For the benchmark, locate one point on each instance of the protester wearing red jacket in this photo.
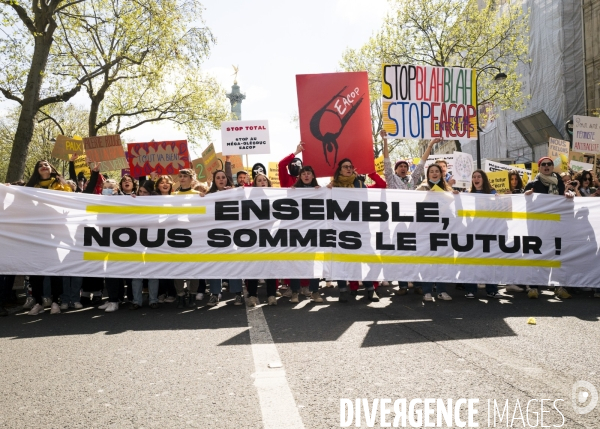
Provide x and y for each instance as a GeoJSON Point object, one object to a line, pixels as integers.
{"type": "Point", "coordinates": [289, 168]}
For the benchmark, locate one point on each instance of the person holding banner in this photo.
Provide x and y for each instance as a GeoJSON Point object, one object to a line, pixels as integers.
{"type": "Point", "coordinates": [435, 181]}
{"type": "Point", "coordinates": [480, 184]}
{"type": "Point", "coordinates": [128, 185]}
{"type": "Point", "coordinates": [399, 178]}
{"type": "Point", "coordinates": [582, 183]}
{"type": "Point", "coordinates": [45, 176]}
{"type": "Point", "coordinates": [163, 185]}
{"type": "Point", "coordinates": [220, 182]}
{"type": "Point", "coordinates": [346, 177]}
{"type": "Point", "coordinates": [290, 168]}
{"type": "Point", "coordinates": [306, 179]}
{"type": "Point", "coordinates": [515, 182]}
{"type": "Point", "coordinates": [187, 182]}
{"type": "Point", "coordinates": [547, 182]}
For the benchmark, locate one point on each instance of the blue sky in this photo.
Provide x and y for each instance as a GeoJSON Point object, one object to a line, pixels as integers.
{"type": "Point", "coordinates": [271, 42]}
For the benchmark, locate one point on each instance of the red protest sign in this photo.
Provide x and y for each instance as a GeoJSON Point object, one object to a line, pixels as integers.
{"type": "Point", "coordinates": [161, 157]}
{"type": "Point", "coordinates": [335, 121]}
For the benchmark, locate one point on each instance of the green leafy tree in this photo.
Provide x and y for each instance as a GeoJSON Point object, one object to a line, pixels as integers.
{"type": "Point", "coordinates": [60, 118]}
{"type": "Point", "coordinates": [151, 53]}
{"type": "Point", "coordinates": [449, 33]}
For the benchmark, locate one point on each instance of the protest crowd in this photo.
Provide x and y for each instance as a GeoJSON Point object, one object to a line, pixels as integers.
{"type": "Point", "coordinates": [63, 293]}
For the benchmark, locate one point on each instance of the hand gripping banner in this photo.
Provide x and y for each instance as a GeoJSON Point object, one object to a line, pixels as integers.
{"type": "Point", "coordinates": [340, 234]}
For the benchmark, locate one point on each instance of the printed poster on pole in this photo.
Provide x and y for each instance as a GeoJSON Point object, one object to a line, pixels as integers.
{"type": "Point", "coordinates": [245, 137]}
{"type": "Point", "coordinates": [335, 121]}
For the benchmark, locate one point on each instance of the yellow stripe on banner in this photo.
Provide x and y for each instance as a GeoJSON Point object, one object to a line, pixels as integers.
{"type": "Point", "coordinates": [198, 257]}
{"type": "Point", "coordinates": [320, 256]}
{"type": "Point", "coordinates": [146, 210]}
{"type": "Point", "coordinates": [509, 215]}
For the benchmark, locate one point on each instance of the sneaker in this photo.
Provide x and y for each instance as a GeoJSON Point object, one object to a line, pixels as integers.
{"type": "Point", "coordinates": [444, 296]}
{"type": "Point", "coordinates": [77, 305]}
{"type": "Point", "coordinates": [287, 293]}
{"type": "Point", "coordinates": [96, 299]}
{"type": "Point", "coordinates": [272, 300]}
{"type": "Point", "coordinates": [133, 306]}
{"type": "Point", "coordinates": [214, 300]}
{"type": "Point", "coordinates": [238, 300]}
{"type": "Point", "coordinates": [191, 301]}
{"type": "Point", "coordinates": [29, 303]}
{"type": "Point", "coordinates": [154, 305]}
{"type": "Point", "coordinates": [112, 307]}
{"type": "Point", "coordinates": [170, 299]}
{"type": "Point", "coordinates": [328, 284]}
{"type": "Point", "coordinates": [402, 291]}
{"type": "Point", "coordinates": [513, 288]}
{"type": "Point", "coordinates": [418, 290]}
{"type": "Point", "coordinates": [104, 306]}
{"type": "Point", "coordinates": [316, 297]}
{"type": "Point", "coordinates": [494, 295]}
{"type": "Point", "coordinates": [344, 296]}
{"type": "Point", "coordinates": [295, 298]}
{"type": "Point", "coordinates": [47, 302]}
{"type": "Point", "coordinates": [372, 296]}
{"type": "Point", "coordinates": [199, 296]}
{"type": "Point", "coordinates": [181, 301]}
{"type": "Point", "coordinates": [54, 308]}
{"type": "Point", "coordinates": [37, 309]}
{"type": "Point", "coordinates": [427, 297]}
{"type": "Point", "coordinates": [304, 291]}
{"type": "Point", "coordinates": [161, 298]}
{"type": "Point", "coordinates": [277, 294]}
{"type": "Point", "coordinates": [533, 293]}
{"type": "Point", "coordinates": [251, 301]}
{"type": "Point", "coordinates": [470, 295]}
{"type": "Point", "coordinates": [562, 293]}
{"type": "Point", "coordinates": [64, 306]}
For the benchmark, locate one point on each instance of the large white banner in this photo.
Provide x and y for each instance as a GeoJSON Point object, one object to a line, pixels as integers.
{"type": "Point", "coordinates": [345, 234]}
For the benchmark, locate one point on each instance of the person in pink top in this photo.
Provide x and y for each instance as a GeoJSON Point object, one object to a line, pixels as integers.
{"type": "Point", "coordinates": [289, 168]}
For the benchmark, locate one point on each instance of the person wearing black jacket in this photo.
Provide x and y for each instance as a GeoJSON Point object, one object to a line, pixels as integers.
{"type": "Point", "coordinates": [547, 182]}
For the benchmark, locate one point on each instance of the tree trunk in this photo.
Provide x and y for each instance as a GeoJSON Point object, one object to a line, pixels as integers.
{"type": "Point", "coordinates": [31, 98]}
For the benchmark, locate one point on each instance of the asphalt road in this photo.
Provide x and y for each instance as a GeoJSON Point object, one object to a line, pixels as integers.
{"type": "Point", "coordinates": [207, 368]}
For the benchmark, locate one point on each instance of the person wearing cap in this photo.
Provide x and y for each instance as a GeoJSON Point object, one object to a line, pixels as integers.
{"type": "Point", "coordinates": [289, 168]}
{"type": "Point", "coordinates": [187, 179]}
{"type": "Point", "coordinates": [399, 178]}
{"type": "Point", "coordinates": [547, 182]}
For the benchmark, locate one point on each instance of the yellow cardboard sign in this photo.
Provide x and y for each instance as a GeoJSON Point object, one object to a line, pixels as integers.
{"type": "Point", "coordinates": [534, 169]}
{"type": "Point", "coordinates": [499, 181]}
{"type": "Point", "coordinates": [274, 174]}
{"type": "Point", "coordinates": [211, 162]}
{"type": "Point", "coordinates": [379, 165]}
{"type": "Point", "coordinates": [436, 188]}
{"type": "Point", "coordinates": [82, 166]}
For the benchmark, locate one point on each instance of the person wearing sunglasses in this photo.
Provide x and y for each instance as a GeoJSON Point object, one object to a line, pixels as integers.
{"type": "Point", "coordinates": [547, 182]}
{"type": "Point", "coordinates": [583, 182]}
